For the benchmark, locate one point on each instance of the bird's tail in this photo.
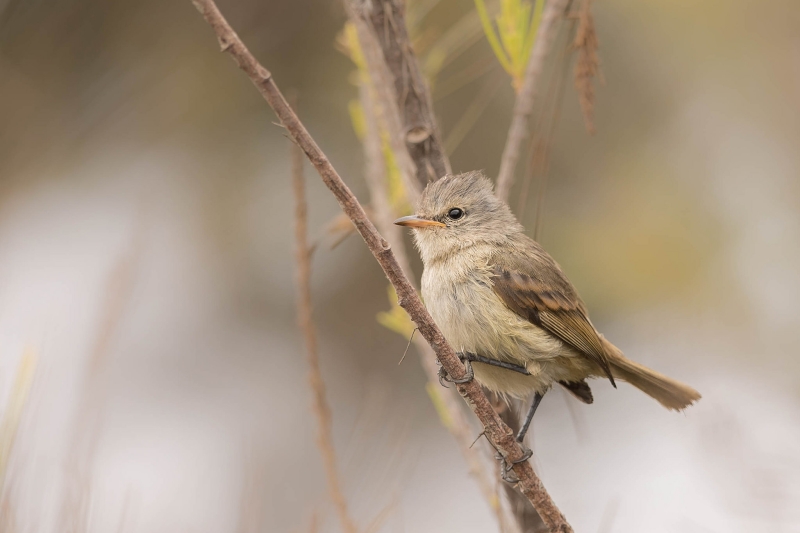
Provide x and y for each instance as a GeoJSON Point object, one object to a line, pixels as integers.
{"type": "Point", "coordinates": [670, 393]}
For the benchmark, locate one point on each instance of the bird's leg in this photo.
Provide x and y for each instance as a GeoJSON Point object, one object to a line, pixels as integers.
{"type": "Point", "coordinates": [475, 358]}
{"type": "Point", "coordinates": [505, 468]}
{"type": "Point", "coordinates": [537, 398]}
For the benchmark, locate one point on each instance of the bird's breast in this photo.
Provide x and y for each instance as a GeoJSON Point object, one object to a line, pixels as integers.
{"type": "Point", "coordinates": [462, 301]}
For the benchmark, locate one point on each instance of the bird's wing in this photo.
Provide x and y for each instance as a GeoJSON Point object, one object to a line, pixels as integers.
{"type": "Point", "coordinates": [532, 285]}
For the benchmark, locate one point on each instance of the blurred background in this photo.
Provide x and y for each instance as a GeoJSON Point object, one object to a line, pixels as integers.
{"type": "Point", "coordinates": [147, 315]}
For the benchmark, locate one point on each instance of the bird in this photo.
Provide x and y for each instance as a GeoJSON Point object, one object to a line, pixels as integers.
{"type": "Point", "coordinates": [506, 306]}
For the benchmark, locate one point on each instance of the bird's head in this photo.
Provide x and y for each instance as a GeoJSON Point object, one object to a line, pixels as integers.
{"type": "Point", "coordinates": [457, 212]}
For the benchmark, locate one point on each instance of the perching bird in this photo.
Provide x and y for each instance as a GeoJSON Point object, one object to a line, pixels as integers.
{"type": "Point", "coordinates": [505, 305]}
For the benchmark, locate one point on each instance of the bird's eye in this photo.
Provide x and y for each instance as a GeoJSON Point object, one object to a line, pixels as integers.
{"type": "Point", "coordinates": [455, 213]}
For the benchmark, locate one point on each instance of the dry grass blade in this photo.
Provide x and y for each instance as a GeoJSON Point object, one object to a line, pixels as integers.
{"type": "Point", "coordinates": [76, 501]}
{"type": "Point", "coordinates": [541, 143]}
{"type": "Point", "coordinates": [322, 411]}
{"type": "Point", "coordinates": [523, 105]}
{"type": "Point", "coordinates": [587, 65]}
{"type": "Point", "coordinates": [463, 78]}
{"type": "Point", "coordinates": [13, 412]}
{"type": "Point", "coordinates": [498, 433]}
{"type": "Point", "coordinates": [471, 115]}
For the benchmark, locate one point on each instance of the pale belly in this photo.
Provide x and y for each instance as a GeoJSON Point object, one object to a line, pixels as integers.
{"type": "Point", "coordinates": [474, 319]}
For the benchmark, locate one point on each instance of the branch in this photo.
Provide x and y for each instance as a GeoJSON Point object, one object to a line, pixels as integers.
{"type": "Point", "coordinates": [498, 434]}
{"type": "Point", "coordinates": [375, 174]}
{"type": "Point", "coordinates": [386, 110]}
{"type": "Point", "coordinates": [322, 410]}
{"type": "Point", "coordinates": [386, 22]}
{"type": "Point", "coordinates": [523, 105]}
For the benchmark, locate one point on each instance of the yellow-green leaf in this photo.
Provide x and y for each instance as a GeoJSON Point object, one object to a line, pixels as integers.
{"type": "Point", "coordinates": [396, 318]}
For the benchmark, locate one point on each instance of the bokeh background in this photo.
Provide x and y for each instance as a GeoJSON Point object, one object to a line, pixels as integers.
{"type": "Point", "coordinates": [146, 264]}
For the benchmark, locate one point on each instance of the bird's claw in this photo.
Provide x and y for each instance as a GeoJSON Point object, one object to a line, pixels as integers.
{"type": "Point", "coordinates": [468, 376]}
{"type": "Point", "coordinates": [506, 471]}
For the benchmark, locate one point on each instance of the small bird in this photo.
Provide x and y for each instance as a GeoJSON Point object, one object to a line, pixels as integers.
{"type": "Point", "coordinates": [507, 308]}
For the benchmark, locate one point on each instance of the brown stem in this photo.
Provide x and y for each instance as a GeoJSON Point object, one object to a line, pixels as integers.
{"type": "Point", "coordinates": [523, 105]}
{"type": "Point", "coordinates": [499, 434]}
{"type": "Point", "coordinates": [322, 411]}
{"type": "Point", "coordinates": [386, 21]}
{"type": "Point", "coordinates": [386, 110]}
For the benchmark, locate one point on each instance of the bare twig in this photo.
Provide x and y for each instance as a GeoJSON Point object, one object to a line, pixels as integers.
{"type": "Point", "coordinates": [375, 174]}
{"type": "Point", "coordinates": [523, 105]}
{"type": "Point", "coordinates": [322, 410]}
{"type": "Point", "coordinates": [386, 21]}
{"type": "Point", "coordinates": [386, 110]}
{"type": "Point", "coordinates": [499, 434]}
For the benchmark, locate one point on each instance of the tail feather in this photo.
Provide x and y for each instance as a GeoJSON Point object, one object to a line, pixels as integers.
{"type": "Point", "coordinates": [668, 392]}
{"type": "Point", "coordinates": [580, 389]}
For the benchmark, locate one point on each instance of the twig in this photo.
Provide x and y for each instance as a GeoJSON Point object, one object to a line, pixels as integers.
{"type": "Point", "coordinates": [499, 434]}
{"type": "Point", "coordinates": [523, 105]}
{"type": "Point", "coordinates": [322, 410]}
{"type": "Point", "coordinates": [386, 21]}
{"type": "Point", "coordinates": [386, 110]}
{"type": "Point", "coordinates": [375, 174]}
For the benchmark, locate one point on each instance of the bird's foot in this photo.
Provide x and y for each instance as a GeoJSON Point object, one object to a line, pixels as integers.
{"type": "Point", "coordinates": [506, 471]}
{"type": "Point", "coordinates": [468, 376]}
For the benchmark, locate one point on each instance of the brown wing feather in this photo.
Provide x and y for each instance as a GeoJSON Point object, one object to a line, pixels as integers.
{"type": "Point", "coordinates": [546, 298]}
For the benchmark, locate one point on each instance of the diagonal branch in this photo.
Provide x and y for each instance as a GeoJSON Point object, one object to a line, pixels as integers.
{"type": "Point", "coordinates": [322, 410]}
{"type": "Point", "coordinates": [386, 22]}
{"type": "Point", "coordinates": [523, 105]}
{"type": "Point", "coordinates": [498, 434]}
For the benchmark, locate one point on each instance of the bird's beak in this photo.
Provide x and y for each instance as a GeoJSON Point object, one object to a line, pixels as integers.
{"type": "Point", "coordinates": [414, 221]}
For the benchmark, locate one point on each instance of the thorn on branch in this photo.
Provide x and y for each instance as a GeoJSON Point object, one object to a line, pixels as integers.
{"type": "Point", "coordinates": [263, 73]}
{"type": "Point", "coordinates": [224, 44]}
{"type": "Point", "coordinates": [418, 134]}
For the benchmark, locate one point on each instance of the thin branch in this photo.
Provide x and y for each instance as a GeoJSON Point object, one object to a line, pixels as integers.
{"type": "Point", "coordinates": [305, 320]}
{"type": "Point", "coordinates": [523, 105]}
{"type": "Point", "coordinates": [386, 22]}
{"type": "Point", "coordinates": [387, 113]}
{"type": "Point", "coordinates": [499, 434]}
{"type": "Point", "coordinates": [375, 174]}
